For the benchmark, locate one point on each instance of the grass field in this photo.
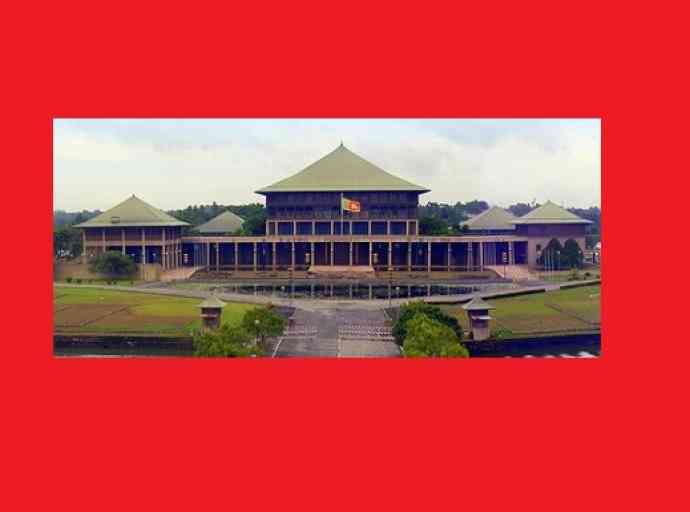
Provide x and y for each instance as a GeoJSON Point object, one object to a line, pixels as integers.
{"type": "Point", "coordinates": [562, 311]}
{"type": "Point", "coordinates": [88, 310]}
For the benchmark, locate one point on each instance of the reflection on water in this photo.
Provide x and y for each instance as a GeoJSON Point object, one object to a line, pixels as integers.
{"type": "Point", "coordinates": [363, 291]}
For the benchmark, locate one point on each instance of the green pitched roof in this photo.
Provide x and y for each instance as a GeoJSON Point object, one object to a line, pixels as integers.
{"type": "Point", "coordinates": [550, 213]}
{"type": "Point", "coordinates": [477, 304]}
{"type": "Point", "coordinates": [133, 212]}
{"type": "Point", "coordinates": [493, 218]}
{"type": "Point", "coordinates": [226, 222]}
{"type": "Point", "coordinates": [212, 302]}
{"type": "Point", "coordinates": [342, 171]}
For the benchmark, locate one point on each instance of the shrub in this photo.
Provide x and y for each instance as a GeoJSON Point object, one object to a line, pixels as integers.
{"type": "Point", "coordinates": [572, 255]}
{"type": "Point", "coordinates": [430, 338]}
{"type": "Point", "coordinates": [78, 280]}
{"type": "Point", "coordinates": [113, 264]}
{"type": "Point", "coordinates": [228, 341]}
{"type": "Point", "coordinates": [263, 322]}
{"type": "Point", "coordinates": [408, 311]}
{"type": "Point", "coordinates": [500, 333]}
{"type": "Point", "coordinates": [69, 279]}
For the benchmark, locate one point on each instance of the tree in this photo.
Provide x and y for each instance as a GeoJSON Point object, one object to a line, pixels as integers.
{"type": "Point", "coordinates": [551, 254]}
{"type": "Point", "coordinates": [432, 225]}
{"type": "Point", "coordinates": [255, 224]}
{"type": "Point", "coordinates": [67, 241]}
{"type": "Point", "coordinates": [113, 264]}
{"type": "Point", "coordinates": [410, 310]}
{"type": "Point", "coordinates": [520, 209]}
{"type": "Point", "coordinates": [476, 207]}
{"type": "Point", "coordinates": [263, 323]}
{"type": "Point", "coordinates": [572, 254]}
{"type": "Point", "coordinates": [227, 341]}
{"type": "Point", "coordinates": [430, 338]}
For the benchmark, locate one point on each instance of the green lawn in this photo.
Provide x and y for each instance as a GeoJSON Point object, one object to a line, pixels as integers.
{"type": "Point", "coordinates": [110, 311]}
{"type": "Point", "coordinates": [562, 311]}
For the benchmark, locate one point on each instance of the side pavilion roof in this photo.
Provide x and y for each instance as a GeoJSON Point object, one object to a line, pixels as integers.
{"type": "Point", "coordinates": [342, 170]}
{"type": "Point", "coordinates": [226, 222]}
{"type": "Point", "coordinates": [550, 213]}
{"type": "Point", "coordinates": [493, 218]}
{"type": "Point", "coordinates": [132, 212]}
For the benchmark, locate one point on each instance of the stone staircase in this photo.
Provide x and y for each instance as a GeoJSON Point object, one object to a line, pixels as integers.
{"type": "Point", "coordinates": [514, 272]}
{"type": "Point", "coordinates": [180, 273]}
{"type": "Point", "coordinates": [341, 272]}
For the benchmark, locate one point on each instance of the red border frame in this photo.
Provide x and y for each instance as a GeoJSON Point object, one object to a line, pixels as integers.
{"type": "Point", "coordinates": [489, 434]}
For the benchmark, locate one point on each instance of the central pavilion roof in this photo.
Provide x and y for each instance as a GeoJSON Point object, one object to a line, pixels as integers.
{"type": "Point", "coordinates": [226, 222]}
{"type": "Point", "coordinates": [342, 170]}
{"type": "Point", "coordinates": [550, 213]}
{"type": "Point", "coordinates": [133, 212]}
{"type": "Point", "coordinates": [494, 218]}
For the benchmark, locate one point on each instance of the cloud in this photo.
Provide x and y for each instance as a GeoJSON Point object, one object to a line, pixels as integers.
{"type": "Point", "coordinates": [173, 163]}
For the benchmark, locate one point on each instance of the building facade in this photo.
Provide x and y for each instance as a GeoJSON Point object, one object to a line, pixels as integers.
{"type": "Point", "coordinates": [307, 227]}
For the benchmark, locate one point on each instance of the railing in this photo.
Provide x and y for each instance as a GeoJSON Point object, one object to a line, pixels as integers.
{"type": "Point", "coordinates": [373, 216]}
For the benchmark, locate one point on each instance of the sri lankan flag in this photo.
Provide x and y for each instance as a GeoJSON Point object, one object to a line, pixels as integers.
{"type": "Point", "coordinates": [349, 205]}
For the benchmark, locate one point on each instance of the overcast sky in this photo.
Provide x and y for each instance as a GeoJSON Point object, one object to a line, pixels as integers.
{"type": "Point", "coordinates": [172, 163]}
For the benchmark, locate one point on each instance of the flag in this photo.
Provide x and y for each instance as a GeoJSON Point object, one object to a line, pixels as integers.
{"type": "Point", "coordinates": [350, 205]}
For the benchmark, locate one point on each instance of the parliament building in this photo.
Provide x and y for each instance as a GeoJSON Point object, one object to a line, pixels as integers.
{"type": "Point", "coordinates": [340, 211]}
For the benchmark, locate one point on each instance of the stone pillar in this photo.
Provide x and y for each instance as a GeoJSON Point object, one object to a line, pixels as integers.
{"type": "Point", "coordinates": [388, 227]}
{"type": "Point", "coordinates": [83, 245]}
{"type": "Point", "coordinates": [428, 257]}
{"type": "Point", "coordinates": [469, 256]}
{"type": "Point", "coordinates": [313, 227]}
{"type": "Point", "coordinates": [332, 252]}
{"type": "Point", "coordinates": [124, 252]}
{"type": "Point", "coordinates": [294, 227]}
{"type": "Point", "coordinates": [369, 232]}
{"type": "Point", "coordinates": [450, 255]}
{"type": "Point", "coordinates": [311, 252]}
{"type": "Point", "coordinates": [481, 256]}
{"type": "Point", "coordinates": [164, 251]}
{"type": "Point", "coordinates": [103, 238]}
{"type": "Point", "coordinates": [332, 228]}
{"type": "Point", "coordinates": [511, 253]}
{"type": "Point", "coordinates": [237, 256]}
{"type": "Point", "coordinates": [208, 255]}
{"type": "Point", "coordinates": [254, 254]}
{"type": "Point", "coordinates": [273, 256]}
{"type": "Point", "coordinates": [350, 261]}
{"type": "Point", "coordinates": [371, 255]}
{"type": "Point", "coordinates": [390, 252]}
{"type": "Point", "coordinates": [292, 255]}
{"type": "Point", "coordinates": [217, 257]}
{"type": "Point", "coordinates": [409, 256]}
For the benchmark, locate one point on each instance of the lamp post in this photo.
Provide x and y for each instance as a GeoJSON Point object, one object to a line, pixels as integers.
{"type": "Point", "coordinates": [257, 323]}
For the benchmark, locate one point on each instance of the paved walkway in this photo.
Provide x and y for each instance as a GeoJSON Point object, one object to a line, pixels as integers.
{"type": "Point", "coordinates": [336, 332]}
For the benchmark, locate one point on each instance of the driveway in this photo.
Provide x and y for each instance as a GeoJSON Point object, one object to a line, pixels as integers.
{"type": "Point", "coordinates": [336, 331]}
